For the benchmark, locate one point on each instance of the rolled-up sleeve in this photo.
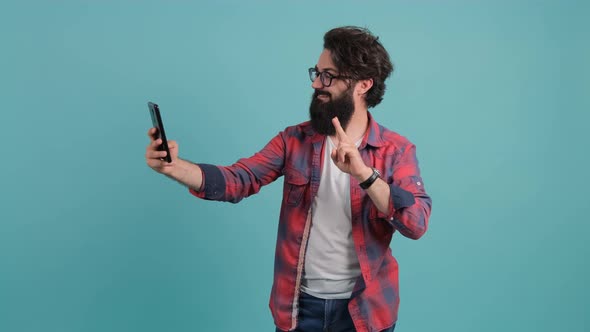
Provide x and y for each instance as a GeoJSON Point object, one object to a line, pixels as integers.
{"type": "Point", "coordinates": [245, 177]}
{"type": "Point", "coordinates": [410, 205]}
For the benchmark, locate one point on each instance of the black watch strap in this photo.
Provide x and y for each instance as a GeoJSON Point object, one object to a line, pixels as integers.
{"type": "Point", "coordinates": [368, 182]}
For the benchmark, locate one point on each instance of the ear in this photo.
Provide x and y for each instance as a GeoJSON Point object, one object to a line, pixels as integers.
{"type": "Point", "coordinates": [363, 86]}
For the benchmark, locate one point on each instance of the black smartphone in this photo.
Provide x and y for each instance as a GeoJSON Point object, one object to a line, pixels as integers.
{"type": "Point", "coordinates": [160, 133]}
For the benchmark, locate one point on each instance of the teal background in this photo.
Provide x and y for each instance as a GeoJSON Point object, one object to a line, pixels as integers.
{"type": "Point", "coordinates": [494, 94]}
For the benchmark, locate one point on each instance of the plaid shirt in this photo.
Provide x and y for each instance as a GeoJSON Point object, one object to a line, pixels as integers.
{"type": "Point", "coordinates": [297, 153]}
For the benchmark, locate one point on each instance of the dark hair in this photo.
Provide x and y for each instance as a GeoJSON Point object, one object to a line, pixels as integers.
{"type": "Point", "coordinates": [357, 53]}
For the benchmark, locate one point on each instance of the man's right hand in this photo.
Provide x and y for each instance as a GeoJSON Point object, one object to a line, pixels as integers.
{"type": "Point", "coordinates": [183, 171]}
{"type": "Point", "coordinates": [154, 157]}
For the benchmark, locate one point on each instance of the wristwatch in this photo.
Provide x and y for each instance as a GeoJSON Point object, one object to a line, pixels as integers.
{"type": "Point", "coordinates": [368, 182]}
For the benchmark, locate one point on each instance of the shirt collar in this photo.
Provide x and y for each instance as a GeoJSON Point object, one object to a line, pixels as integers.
{"type": "Point", "coordinates": [373, 136]}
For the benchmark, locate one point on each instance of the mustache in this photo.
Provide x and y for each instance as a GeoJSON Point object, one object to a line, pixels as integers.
{"type": "Point", "coordinates": [321, 93]}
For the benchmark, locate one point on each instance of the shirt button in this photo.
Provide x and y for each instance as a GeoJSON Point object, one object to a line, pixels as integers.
{"type": "Point", "coordinates": [419, 183]}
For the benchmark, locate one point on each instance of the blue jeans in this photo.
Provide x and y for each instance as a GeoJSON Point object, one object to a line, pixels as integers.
{"type": "Point", "coordinates": [319, 315]}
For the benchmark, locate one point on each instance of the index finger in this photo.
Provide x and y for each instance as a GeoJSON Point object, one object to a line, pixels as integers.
{"type": "Point", "coordinates": [341, 134]}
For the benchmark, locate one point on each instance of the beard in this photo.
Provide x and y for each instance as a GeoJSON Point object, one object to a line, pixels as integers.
{"type": "Point", "coordinates": [321, 113]}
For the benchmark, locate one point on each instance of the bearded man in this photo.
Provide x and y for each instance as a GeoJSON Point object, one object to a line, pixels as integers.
{"type": "Point", "coordinates": [349, 185]}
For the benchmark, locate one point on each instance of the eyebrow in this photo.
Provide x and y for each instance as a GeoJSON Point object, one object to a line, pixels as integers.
{"type": "Point", "coordinates": [326, 69]}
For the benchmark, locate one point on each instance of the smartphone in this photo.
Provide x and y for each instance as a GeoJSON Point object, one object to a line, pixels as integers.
{"type": "Point", "coordinates": [160, 133]}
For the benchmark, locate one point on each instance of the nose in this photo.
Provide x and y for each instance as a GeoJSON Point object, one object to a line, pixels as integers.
{"type": "Point", "coordinates": [317, 83]}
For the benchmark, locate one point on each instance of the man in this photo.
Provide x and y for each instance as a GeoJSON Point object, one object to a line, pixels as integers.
{"type": "Point", "coordinates": [349, 185]}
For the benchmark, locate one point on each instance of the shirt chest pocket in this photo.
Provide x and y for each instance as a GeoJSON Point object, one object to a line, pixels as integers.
{"type": "Point", "coordinates": [295, 185]}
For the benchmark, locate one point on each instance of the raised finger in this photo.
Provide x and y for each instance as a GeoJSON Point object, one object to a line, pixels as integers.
{"type": "Point", "coordinates": [339, 131]}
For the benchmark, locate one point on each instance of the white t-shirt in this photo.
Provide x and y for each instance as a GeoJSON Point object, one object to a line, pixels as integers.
{"type": "Point", "coordinates": [331, 263]}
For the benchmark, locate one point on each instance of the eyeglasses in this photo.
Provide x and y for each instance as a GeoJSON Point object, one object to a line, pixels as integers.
{"type": "Point", "coordinates": [325, 77]}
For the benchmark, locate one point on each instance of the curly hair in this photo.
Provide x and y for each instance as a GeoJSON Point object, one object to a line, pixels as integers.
{"type": "Point", "coordinates": [357, 53]}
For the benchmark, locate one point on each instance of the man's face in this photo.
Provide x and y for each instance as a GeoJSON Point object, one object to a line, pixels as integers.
{"type": "Point", "coordinates": [330, 101]}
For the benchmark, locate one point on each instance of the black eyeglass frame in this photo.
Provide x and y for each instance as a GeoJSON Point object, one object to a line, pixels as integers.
{"type": "Point", "coordinates": [324, 75]}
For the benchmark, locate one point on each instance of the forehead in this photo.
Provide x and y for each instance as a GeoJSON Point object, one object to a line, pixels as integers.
{"type": "Point", "coordinates": [325, 61]}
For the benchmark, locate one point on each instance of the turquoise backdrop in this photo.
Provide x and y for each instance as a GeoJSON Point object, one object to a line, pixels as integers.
{"type": "Point", "coordinates": [495, 94]}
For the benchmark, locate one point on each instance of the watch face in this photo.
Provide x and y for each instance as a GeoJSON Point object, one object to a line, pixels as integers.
{"type": "Point", "coordinates": [377, 171]}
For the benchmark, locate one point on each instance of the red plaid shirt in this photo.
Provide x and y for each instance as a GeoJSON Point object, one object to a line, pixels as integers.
{"type": "Point", "coordinates": [297, 153]}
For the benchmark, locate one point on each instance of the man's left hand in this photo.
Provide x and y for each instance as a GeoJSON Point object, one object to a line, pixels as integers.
{"type": "Point", "coordinates": [347, 157]}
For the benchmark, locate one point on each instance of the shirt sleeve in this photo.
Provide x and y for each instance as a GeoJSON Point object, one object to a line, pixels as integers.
{"type": "Point", "coordinates": [409, 204]}
{"type": "Point", "coordinates": [245, 177]}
